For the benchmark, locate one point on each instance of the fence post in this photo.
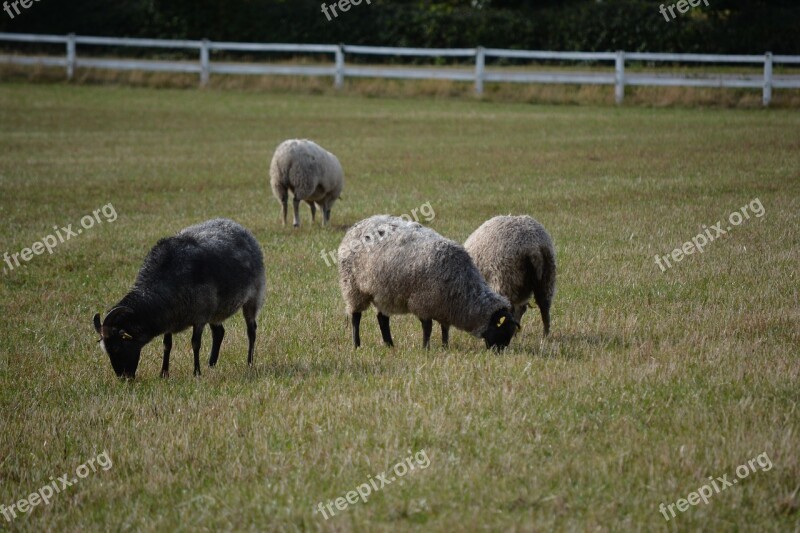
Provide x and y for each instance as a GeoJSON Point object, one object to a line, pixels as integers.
{"type": "Point", "coordinates": [480, 67]}
{"type": "Point", "coordinates": [619, 77]}
{"type": "Point", "coordinates": [767, 96]}
{"type": "Point", "coordinates": [70, 56]}
{"type": "Point", "coordinates": [338, 80]}
{"type": "Point", "coordinates": [205, 60]}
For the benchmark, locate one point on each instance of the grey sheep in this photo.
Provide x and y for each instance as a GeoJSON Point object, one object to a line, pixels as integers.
{"type": "Point", "coordinates": [516, 256]}
{"type": "Point", "coordinates": [311, 173]}
{"type": "Point", "coordinates": [202, 275]}
{"type": "Point", "coordinates": [402, 267]}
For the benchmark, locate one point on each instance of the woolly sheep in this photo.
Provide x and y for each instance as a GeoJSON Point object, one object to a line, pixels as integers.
{"type": "Point", "coordinates": [402, 267]}
{"type": "Point", "coordinates": [516, 256]}
{"type": "Point", "coordinates": [311, 173]}
{"type": "Point", "coordinates": [202, 275]}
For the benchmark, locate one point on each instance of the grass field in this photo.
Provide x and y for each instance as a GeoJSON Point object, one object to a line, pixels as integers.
{"type": "Point", "coordinates": [650, 383]}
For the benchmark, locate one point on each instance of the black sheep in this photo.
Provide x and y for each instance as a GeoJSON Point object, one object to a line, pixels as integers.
{"type": "Point", "coordinates": [202, 275]}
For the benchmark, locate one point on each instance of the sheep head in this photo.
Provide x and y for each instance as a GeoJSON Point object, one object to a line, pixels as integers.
{"type": "Point", "coordinates": [502, 327]}
{"type": "Point", "coordinates": [121, 340]}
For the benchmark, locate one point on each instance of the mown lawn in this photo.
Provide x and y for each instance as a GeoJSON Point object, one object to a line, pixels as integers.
{"type": "Point", "coordinates": [651, 382]}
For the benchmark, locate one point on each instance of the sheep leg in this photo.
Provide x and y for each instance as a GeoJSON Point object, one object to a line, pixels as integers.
{"type": "Point", "coordinates": [284, 208]}
{"type": "Point", "coordinates": [544, 308]}
{"type": "Point", "coordinates": [326, 216]}
{"type": "Point", "coordinates": [251, 340]}
{"type": "Point", "coordinates": [386, 332]}
{"type": "Point", "coordinates": [445, 335]}
{"type": "Point", "coordinates": [296, 207]}
{"type": "Point", "coordinates": [313, 212]}
{"type": "Point", "coordinates": [519, 310]}
{"type": "Point", "coordinates": [355, 319]}
{"type": "Point", "coordinates": [546, 319]}
{"type": "Point", "coordinates": [427, 327]}
{"type": "Point", "coordinates": [197, 337]}
{"type": "Point", "coordinates": [167, 350]}
{"type": "Point", "coordinates": [217, 334]}
{"type": "Point", "coordinates": [250, 312]}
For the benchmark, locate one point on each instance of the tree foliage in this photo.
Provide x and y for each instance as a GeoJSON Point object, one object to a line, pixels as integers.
{"type": "Point", "coordinates": [725, 26]}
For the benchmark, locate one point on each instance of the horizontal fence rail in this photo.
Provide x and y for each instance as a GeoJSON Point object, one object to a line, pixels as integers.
{"type": "Point", "coordinates": [479, 74]}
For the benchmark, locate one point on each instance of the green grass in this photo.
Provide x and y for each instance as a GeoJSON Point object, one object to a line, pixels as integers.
{"type": "Point", "coordinates": [650, 383]}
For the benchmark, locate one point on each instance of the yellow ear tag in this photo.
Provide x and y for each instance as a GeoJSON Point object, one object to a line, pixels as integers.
{"type": "Point", "coordinates": [125, 336]}
{"type": "Point", "coordinates": [502, 320]}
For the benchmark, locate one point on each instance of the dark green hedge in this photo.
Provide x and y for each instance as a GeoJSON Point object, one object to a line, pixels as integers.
{"type": "Point", "coordinates": [726, 26]}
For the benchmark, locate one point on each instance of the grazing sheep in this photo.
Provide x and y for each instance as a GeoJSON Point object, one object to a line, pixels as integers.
{"type": "Point", "coordinates": [202, 275]}
{"type": "Point", "coordinates": [518, 260]}
{"type": "Point", "coordinates": [402, 267]}
{"type": "Point", "coordinates": [313, 174]}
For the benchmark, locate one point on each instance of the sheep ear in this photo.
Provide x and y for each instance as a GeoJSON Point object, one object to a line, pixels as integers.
{"type": "Point", "coordinates": [97, 325]}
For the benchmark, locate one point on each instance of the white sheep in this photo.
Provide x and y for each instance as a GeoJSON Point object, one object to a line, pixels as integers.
{"type": "Point", "coordinates": [516, 256]}
{"type": "Point", "coordinates": [402, 267]}
{"type": "Point", "coordinates": [311, 173]}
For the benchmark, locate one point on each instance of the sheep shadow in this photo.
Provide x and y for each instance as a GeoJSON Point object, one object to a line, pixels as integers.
{"type": "Point", "coordinates": [339, 228]}
{"type": "Point", "coordinates": [292, 370]}
{"type": "Point", "coordinates": [571, 346]}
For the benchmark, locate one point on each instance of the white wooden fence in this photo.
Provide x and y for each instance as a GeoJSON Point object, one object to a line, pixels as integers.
{"type": "Point", "coordinates": [479, 75]}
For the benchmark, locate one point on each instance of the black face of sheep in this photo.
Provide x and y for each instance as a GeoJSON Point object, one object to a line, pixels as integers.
{"type": "Point", "coordinates": [502, 327]}
{"type": "Point", "coordinates": [120, 342]}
